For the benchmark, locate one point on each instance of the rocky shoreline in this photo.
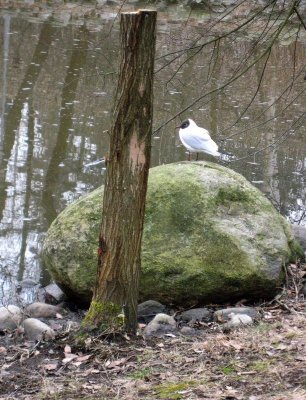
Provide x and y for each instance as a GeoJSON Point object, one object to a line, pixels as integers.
{"type": "Point", "coordinates": [42, 322]}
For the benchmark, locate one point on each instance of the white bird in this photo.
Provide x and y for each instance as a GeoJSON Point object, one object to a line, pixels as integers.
{"type": "Point", "coordinates": [196, 139]}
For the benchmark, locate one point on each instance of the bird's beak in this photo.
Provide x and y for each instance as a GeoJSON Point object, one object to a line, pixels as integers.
{"type": "Point", "coordinates": [177, 127]}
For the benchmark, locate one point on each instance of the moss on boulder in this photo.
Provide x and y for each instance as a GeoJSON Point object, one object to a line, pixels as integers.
{"type": "Point", "coordinates": [209, 236]}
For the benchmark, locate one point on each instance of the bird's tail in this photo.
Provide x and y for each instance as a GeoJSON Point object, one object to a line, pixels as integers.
{"type": "Point", "coordinates": [226, 156]}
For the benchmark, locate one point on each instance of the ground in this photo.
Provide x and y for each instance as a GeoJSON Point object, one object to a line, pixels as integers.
{"type": "Point", "coordinates": [263, 362]}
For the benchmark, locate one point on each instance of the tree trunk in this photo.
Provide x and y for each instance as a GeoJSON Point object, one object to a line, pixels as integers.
{"type": "Point", "coordinates": [116, 290]}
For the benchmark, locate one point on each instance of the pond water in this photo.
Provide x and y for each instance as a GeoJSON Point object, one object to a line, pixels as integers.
{"type": "Point", "coordinates": [57, 85]}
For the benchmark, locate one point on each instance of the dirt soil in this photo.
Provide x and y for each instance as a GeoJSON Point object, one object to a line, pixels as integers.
{"type": "Point", "coordinates": [262, 362]}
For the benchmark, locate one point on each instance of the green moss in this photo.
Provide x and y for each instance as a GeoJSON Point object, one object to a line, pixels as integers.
{"type": "Point", "coordinates": [142, 373]}
{"type": "Point", "coordinates": [216, 264]}
{"type": "Point", "coordinates": [208, 235]}
{"type": "Point", "coordinates": [105, 316]}
{"type": "Point", "coordinates": [296, 251]}
{"type": "Point", "coordinates": [228, 369]}
{"type": "Point", "coordinates": [295, 247]}
{"type": "Point", "coordinates": [172, 390]}
{"type": "Point", "coordinates": [264, 327]}
{"type": "Point", "coordinates": [261, 366]}
{"type": "Point", "coordinates": [231, 194]}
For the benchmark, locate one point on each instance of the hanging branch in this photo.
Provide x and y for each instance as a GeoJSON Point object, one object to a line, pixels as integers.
{"type": "Point", "coordinates": [201, 46]}
{"type": "Point", "coordinates": [236, 77]}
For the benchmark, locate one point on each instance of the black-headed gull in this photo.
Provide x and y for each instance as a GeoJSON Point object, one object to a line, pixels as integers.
{"type": "Point", "coordinates": [196, 139]}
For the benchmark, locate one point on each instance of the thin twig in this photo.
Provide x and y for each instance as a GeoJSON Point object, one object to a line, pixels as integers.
{"type": "Point", "coordinates": [236, 77]}
{"type": "Point", "coordinates": [300, 17]}
{"type": "Point", "coordinates": [201, 46]}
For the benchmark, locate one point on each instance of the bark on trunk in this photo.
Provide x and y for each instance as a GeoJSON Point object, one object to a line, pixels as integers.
{"type": "Point", "coordinates": [116, 288]}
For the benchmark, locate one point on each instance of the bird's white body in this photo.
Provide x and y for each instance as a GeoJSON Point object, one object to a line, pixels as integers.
{"type": "Point", "coordinates": [196, 139]}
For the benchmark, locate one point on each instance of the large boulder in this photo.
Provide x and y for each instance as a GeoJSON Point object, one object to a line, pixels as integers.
{"type": "Point", "coordinates": [209, 236]}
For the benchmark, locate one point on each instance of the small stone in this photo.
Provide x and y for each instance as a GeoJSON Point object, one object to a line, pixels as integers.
{"type": "Point", "coordinates": [42, 310]}
{"type": "Point", "coordinates": [196, 314]}
{"type": "Point", "coordinates": [223, 315]}
{"type": "Point", "coordinates": [160, 325]}
{"type": "Point", "coordinates": [237, 320]}
{"type": "Point", "coordinates": [35, 329]}
{"type": "Point", "coordinates": [148, 309]}
{"type": "Point", "coordinates": [187, 331]}
{"type": "Point", "coordinates": [10, 317]}
{"type": "Point", "coordinates": [54, 294]}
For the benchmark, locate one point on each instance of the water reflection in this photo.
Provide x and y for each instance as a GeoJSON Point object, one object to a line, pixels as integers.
{"type": "Point", "coordinates": [56, 101]}
{"type": "Point", "coordinates": [65, 126]}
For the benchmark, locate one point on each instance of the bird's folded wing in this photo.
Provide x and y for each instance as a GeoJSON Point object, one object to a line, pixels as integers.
{"type": "Point", "coordinates": [197, 141]}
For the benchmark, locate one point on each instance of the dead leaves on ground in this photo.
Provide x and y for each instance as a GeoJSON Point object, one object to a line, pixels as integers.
{"type": "Point", "coordinates": [263, 362]}
{"type": "Point", "coordinates": [266, 358]}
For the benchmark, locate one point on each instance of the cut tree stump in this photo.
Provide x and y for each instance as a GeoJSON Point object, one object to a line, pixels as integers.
{"type": "Point", "coordinates": [116, 290]}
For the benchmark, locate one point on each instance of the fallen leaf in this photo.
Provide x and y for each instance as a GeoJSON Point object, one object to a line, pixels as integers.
{"type": "Point", "coordinates": [6, 366]}
{"type": "Point", "coordinates": [50, 367]}
{"type": "Point", "coordinates": [236, 345]}
{"type": "Point", "coordinates": [68, 358]}
{"type": "Point", "coordinates": [91, 371]}
{"type": "Point", "coordinates": [300, 358]}
{"type": "Point", "coordinates": [3, 350]}
{"type": "Point", "coordinates": [92, 387]}
{"type": "Point", "coordinates": [189, 359]}
{"type": "Point", "coordinates": [83, 358]}
{"type": "Point", "coordinates": [77, 363]}
{"type": "Point", "coordinates": [67, 349]}
{"type": "Point", "coordinates": [112, 364]}
{"type": "Point", "coordinates": [126, 337]}
{"type": "Point", "coordinates": [281, 346]}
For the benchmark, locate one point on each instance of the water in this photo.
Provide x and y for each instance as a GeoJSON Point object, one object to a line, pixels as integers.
{"type": "Point", "coordinates": [57, 85]}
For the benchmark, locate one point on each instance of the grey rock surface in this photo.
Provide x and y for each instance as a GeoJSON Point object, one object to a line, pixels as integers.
{"type": "Point", "coordinates": [209, 237]}
{"type": "Point", "coordinates": [35, 329]}
{"type": "Point", "coordinates": [196, 314]}
{"type": "Point", "coordinates": [53, 294]}
{"type": "Point", "coordinates": [42, 310]}
{"type": "Point", "coordinates": [10, 317]}
{"type": "Point", "coordinates": [160, 325]}
{"type": "Point", "coordinates": [237, 320]}
{"type": "Point", "coordinates": [224, 314]}
{"type": "Point", "coordinates": [187, 331]}
{"type": "Point", "coordinates": [148, 309]}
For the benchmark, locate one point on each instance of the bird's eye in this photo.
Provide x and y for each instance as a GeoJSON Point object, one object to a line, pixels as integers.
{"type": "Point", "coordinates": [185, 124]}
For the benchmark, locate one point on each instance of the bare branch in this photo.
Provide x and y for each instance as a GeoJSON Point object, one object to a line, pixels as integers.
{"type": "Point", "coordinates": [279, 140]}
{"type": "Point", "coordinates": [242, 72]}
{"type": "Point", "coordinates": [302, 71]}
{"type": "Point", "coordinates": [195, 47]}
{"type": "Point", "coordinates": [299, 16]}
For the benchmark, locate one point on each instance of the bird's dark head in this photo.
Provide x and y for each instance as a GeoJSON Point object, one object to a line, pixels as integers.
{"type": "Point", "coordinates": [185, 124]}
